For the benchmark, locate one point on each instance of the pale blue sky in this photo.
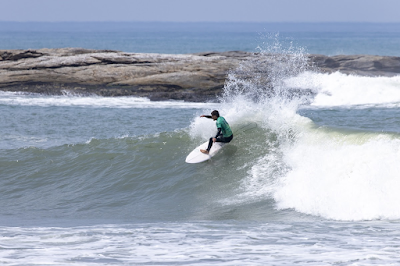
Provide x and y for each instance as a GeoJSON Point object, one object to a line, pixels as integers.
{"type": "Point", "coordinates": [202, 10]}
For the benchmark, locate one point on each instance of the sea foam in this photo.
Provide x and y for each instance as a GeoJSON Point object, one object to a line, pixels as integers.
{"type": "Point", "coordinates": [341, 177]}
{"type": "Point", "coordinates": [339, 89]}
{"type": "Point", "coordinates": [69, 99]}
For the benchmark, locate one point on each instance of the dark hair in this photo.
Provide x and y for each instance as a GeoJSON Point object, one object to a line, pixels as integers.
{"type": "Point", "coordinates": [215, 112]}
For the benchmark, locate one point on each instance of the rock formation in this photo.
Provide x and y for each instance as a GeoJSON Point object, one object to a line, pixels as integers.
{"type": "Point", "coordinates": [190, 77]}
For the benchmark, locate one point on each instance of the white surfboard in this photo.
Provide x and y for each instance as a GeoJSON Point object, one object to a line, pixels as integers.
{"type": "Point", "coordinates": [196, 156]}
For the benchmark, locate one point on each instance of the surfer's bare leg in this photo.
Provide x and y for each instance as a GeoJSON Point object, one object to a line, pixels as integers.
{"type": "Point", "coordinates": [210, 143]}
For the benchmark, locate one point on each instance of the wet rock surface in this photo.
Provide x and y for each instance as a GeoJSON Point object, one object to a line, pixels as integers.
{"type": "Point", "coordinates": [189, 77]}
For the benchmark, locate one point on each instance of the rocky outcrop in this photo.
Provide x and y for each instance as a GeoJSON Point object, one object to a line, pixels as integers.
{"type": "Point", "coordinates": [191, 77]}
{"type": "Point", "coordinates": [110, 73]}
{"type": "Point", "coordinates": [363, 65]}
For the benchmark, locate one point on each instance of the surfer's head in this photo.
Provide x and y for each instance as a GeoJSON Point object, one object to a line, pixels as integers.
{"type": "Point", "coordinates": [215, 114]}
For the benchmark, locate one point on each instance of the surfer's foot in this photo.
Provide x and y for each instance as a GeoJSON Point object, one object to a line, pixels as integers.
{"type": "Point", "coordinates": [204, 151]}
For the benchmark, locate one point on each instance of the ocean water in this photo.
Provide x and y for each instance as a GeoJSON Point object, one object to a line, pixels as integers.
{"type": "Point", "coordinates": [182, 38]}
{"type": "Point", "coordinates": [88, 180]}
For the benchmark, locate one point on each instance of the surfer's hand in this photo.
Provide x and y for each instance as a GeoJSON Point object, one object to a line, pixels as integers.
{"type": "Point", "coordinates": [202, 116]}
{"type": "Point", "coordinates": [214, 139]}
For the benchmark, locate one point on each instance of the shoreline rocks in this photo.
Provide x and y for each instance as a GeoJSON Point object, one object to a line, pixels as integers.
{"type": "Point", "coordinates": [189, 77]}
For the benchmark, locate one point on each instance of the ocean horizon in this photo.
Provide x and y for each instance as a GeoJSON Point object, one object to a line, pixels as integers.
{"type": "Point", "coordinates": [194, 37]}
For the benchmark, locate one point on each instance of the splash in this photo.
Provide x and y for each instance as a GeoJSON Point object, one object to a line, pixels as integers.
{"type": "Point", "coordinates": [262, 78]}
{"type": "Point", "coordinates": [256, 91]}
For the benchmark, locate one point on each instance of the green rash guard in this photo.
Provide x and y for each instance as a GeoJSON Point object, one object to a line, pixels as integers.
{"type": "Point", "coordinates": [224, 126]}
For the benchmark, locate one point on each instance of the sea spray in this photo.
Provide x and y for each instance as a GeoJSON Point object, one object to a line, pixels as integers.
{"type": "Point", "coordinates": [256, 92]}
{"type": "Point", "coordinates": [262, 77]}
{"type": "Point", "coordinates": [257, 88]}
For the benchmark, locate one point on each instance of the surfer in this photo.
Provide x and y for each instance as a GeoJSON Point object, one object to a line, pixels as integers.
{"type": "Point", "coordinates": [224, 133]}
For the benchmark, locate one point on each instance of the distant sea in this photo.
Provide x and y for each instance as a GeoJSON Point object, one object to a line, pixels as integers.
{"type": "Point", "coordinates": [177, 38]}
{"type": "Point", "coordinates": [309, 179]}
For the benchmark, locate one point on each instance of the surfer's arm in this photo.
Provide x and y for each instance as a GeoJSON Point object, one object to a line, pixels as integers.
{"type": "Point", "coordinates": [206, 116]}
{"type": "Point", "coordinates": [218, 133]}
